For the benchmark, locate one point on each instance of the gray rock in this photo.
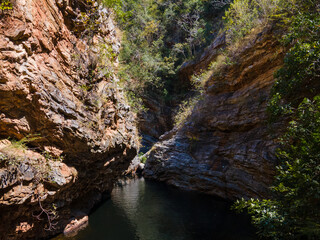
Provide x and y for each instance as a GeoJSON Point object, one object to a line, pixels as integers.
{"type": "Point", "coordinates": [225, 147]}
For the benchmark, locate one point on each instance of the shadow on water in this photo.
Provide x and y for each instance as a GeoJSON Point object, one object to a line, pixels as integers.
{"type": "Point", "coordinates": [144, 210]}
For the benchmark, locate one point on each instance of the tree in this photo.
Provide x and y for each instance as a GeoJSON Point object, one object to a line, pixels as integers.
{"type": "Point", "coordinates": [294, 213]}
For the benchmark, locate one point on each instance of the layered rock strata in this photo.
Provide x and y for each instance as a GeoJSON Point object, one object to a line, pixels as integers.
{"type": "Point", "coordinates": [226, 147]}
{"type": "Point", "coordinates": [71, 132]}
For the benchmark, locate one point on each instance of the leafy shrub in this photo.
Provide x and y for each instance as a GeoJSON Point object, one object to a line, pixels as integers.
{"type": "Point", "coordinates": [240, 18]}
{"type": "Point", "coordinates": [106, 60]}
{"type": "Point", "coordinates": [88, 22]}
{"type": "Point", "coordinates": [301, 69]}
{"type": "Point", "coordinates": [294, 213]}
{"type": "Point", "coordinates": [185, 109]}
{"type": "Point", "coordinates": [143, 158]}
{"type": "Point", "coordinates": [244, 15]}
{"type": "Point", "coordinates": [5, 5]}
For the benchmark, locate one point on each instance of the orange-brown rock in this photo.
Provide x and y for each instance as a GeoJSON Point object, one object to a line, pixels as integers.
{"type": "Point", "coordinates": [57, 83]}
{"type": "Point", "coordinates": [226, 147]}
{"type": "Point", "coordinates": [75, 226]}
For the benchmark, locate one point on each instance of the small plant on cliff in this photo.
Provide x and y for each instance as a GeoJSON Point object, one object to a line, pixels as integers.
{"type": "Point", "coordinates": [106, 60]}
{"type": "Point", "coordinates": [185, 109]}
{"type": "Point", "coordinates": [5, 5]}
{"type": "Point", "coordinates": [142, 157]}
{"type": "Point", "coordinates": [17, 148]}
{"type": "Point", "coordinates": [88, 22]}
{"type": "Point", "coordinates": [21, 144]}
{"type": "Point", "coordinates": [50, 214]}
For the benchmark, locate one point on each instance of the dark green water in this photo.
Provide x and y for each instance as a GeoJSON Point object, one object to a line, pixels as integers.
{"type": "Point", "coordinates": [143, 210]}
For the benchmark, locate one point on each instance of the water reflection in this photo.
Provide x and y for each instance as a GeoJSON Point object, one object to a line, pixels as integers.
{"type": "Point", "coordinates": [143, 210]}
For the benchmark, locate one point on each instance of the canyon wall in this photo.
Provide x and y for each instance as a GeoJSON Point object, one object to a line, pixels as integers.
{"type": "Point", "coordinates": [226, 146]}
{"type": "Point", "coordinates": [67, 132]}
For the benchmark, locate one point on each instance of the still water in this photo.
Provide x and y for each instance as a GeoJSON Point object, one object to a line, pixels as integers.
{"type": "Point", "coordinates": [143, 210]}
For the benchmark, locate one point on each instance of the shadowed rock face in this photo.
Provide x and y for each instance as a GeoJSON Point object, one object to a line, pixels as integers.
{"type": "Point", "coordinates": [226, 148]}
{"type": "Point", "coordinates": [53, 84]}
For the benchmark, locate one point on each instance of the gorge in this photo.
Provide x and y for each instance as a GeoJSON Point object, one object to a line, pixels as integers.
{"type": "Point", "coordinates": [205, 100]}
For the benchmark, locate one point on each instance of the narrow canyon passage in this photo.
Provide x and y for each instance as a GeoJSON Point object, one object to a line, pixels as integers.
{"type": "Point", "coordinates": [151, 120]}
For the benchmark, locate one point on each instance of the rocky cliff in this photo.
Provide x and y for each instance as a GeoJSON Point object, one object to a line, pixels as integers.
{"type": "Point", "coordinates": [67, 131]}
{"type": "Point", "coordinates": [226, 147]}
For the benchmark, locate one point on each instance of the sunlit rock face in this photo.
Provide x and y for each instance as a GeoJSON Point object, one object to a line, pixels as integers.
{"type": "Point", "coordinates": [57, 83]}
{"type": "Point", "coordinates": [226, 147]}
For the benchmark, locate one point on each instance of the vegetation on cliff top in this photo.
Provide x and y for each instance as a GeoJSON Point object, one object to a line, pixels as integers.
{"type": "Point", "coordinates": [293, 211]}
{"type": "Point", "coordinates": [158, 36]}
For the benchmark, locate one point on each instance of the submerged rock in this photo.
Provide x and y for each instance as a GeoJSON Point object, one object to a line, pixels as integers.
{"type": "Point", "coordinates": [75, 226]}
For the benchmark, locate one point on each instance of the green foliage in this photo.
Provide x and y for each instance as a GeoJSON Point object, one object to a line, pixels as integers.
{"type": "Point", "coordinates": [264, 216]}
{"type": "Point", "coordinates": [87, 25]}
{"type": "Point", "coordinates": [276, 108]}
{"type": "Point", "coordinates": [135, 102]}
{"type": "Point", "coordinates": [15, 154]}
{"type": "Point", "coordinates": [244, 15]}
{"type": "Point", "coordinates": [301, 69]}
{"type": "Point", "coordinates": [295, 211]}
{"type": "Point", "coordinates": [86, 88]}
{"type": "Point", "coordinates": [106, 60]}
{"type": "Point", "coordinates": [88, 21]}
{"type": "Point", "coordinates": [198, 81]}
{"type": "Point", "coordinates": [240, 18]}
{"type": "Point", "coordinates": [143, 158]}
{"type": "Point", "coordinates": [118, 8]}
{"type": "Point", "coordinates": [158, 37]}
{"type": "Point", "coordinates": [49, 157]}
{"type": "Point", "coordinates": [22, 143]}
{"type": "Point", "coordinates": [185, 109]}
{"type": "Point", "coordinates": [5, 5]}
